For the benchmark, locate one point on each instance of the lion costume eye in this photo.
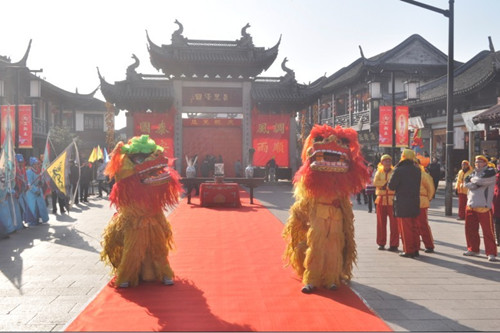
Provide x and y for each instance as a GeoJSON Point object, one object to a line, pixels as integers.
{"type": "Point", "coordinates": [344, 141]}
{"type": "Point", "coordinates": [138, 158]}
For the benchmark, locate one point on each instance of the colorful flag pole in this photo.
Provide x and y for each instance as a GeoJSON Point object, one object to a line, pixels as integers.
{"type": "Point", "coordinates": [46, 163]}
{"type": "Point", "coordinates": [77, 161]}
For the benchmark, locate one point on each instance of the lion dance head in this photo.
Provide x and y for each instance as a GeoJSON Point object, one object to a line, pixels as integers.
{"type": "Point", "coordinates": [143, 176]}
{"type": "Point", "coordinates": [332, 163]}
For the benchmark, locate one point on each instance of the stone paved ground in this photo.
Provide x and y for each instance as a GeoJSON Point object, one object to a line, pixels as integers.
{"type": "Point", "coordinates": [50, 272]}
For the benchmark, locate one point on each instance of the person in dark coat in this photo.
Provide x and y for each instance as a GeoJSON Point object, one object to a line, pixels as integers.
{"type": "Point", "coordinates": [58, 199]}
{"type": "Point", "coordinates": [435, 172]}
{"type": "Point", "coordinates": [205, 167]}
{"type": "Point", "coordinates": [74, 175]}
{"type": "Point", "coordinates": [405, 182]}
{"type": "Point", "coordinates": [85, 179]}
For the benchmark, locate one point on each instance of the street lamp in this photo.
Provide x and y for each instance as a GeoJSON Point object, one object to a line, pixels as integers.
{"type": "Point", "coordinates": [448, 198]}
{"type": "Point", "coordinates": [35, 88]}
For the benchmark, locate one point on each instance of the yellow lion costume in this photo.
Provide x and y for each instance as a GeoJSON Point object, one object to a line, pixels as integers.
{"type": "Point", "coordinates": [138, 238]}
{"type": "Point", "coordinates": [320, 229]}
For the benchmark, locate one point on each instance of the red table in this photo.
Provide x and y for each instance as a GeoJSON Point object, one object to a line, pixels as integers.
{"type": "Point", "coordinates": [220, 194]}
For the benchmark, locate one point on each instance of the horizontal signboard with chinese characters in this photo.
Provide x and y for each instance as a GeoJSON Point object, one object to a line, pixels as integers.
{"type": "Point", "coordinates": [212, 97]}
{"type": "Point", "coordinates": [207, 122]}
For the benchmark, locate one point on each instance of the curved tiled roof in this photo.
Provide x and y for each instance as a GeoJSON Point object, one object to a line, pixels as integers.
{"type": "Point", "coordinates": [139, 94]}
{"type": "Point", "coordinates": [468, 77]}
{"type": "Point", "coordinates": [284, 94]}
{"type": "Point", "coordinates": [490, 116]}
{"type": "Point", "coordinates": [67, 99]}
{"type": "Point", "coordinates": [388, 61]}
{"type": "Point", "coordinates": [61, 97]}
{"type": "Point", "coordinates": [211, 57]}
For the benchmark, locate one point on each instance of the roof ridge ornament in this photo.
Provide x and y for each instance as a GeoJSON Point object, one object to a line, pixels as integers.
{"type": "Point", "coordinates": [290, 74]}
{"type": "Point", "coordinates": [131, 72]}
{"type": "Point", "coordinates": [496, 61]}
{"type": "Point", "coordinates": [177, 37]}
{"type": "Point", "coordinates": [492, 48]}
{"type": "Point", "coordinates": [246, 39]}
{"type": "Point", "coordinates": [361, 52]}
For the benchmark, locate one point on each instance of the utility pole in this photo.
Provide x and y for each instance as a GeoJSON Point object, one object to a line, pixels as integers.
{"type": "Point", "coordinates": [448, 198]}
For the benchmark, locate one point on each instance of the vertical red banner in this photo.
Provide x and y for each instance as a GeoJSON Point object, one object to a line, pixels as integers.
{"type": "Point", "coordinates": [159, 127]}
{"type": "Point", "coordinates": [270, 136]}
{"type": "Point", "coordinates": [402, 126]}
{"type": "Point", "coordinates": [8, 111]}
{"type": "Point", "coordinates": [385, 126]}
{"type": "Point", "coordinates": [25, 127]}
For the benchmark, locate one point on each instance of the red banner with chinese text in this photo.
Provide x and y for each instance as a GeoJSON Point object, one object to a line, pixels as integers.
{"type": "Point", "coordinates": [159, 126]}
{"type": "Point", "coordinates": [402, 126]}
{"type": "Point", "coordinates": [385, 126]}
{"type": "Point", "coordinates": [8, 111]}
{"type": "Point", "coordinates": [270, 136]}
{"type": "Point", "coordinates": [25, 127]}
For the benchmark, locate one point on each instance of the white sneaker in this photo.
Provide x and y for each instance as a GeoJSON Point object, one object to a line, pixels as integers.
{"type": "Point", "coordinates": [308, 288]}
{"type": "Point", "coordinates": [471, 253]}
{"type": "Point", "coordinates": [491, 257]}
{"type": "Point", "coordinates": [167, 281]}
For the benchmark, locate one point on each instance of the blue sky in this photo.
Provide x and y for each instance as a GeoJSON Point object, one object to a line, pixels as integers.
{"type": "Point", "coordinates": [71, 39]}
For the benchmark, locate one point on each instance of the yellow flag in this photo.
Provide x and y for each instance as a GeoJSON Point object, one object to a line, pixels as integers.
{"type": "Point", "coordinates": [99, 154]}
{"type": "Point", "coordinates": [93, 155]}
{"type": "Point", "coordinates": [57, 172]}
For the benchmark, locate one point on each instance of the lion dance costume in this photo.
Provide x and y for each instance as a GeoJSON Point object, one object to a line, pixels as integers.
{"type": "Point", "coordinates": [138, 238]}
{"type": "Point", "coordinates": [320, 229]}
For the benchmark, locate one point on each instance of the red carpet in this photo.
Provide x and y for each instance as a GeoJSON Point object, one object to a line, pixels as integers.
{"type": "Point", "coordinates": [229, 277]}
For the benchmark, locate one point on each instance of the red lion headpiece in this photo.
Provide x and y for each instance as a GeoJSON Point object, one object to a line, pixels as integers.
{"type": "Point", "coordinates": [143, 177]}
{"type": "Point", "coordinates": [332, 162]}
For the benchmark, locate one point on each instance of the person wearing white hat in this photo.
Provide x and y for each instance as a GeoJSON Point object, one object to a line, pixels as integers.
{"type": "Point", "coordinates": [481, 184]}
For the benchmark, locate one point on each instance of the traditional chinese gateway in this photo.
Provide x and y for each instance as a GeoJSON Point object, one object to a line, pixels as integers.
{"type": "Point", "coordinates": [210, 100]}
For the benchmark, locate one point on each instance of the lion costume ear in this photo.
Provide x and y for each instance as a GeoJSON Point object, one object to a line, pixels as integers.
{"type": "Point", "coordinates": [116, 160]}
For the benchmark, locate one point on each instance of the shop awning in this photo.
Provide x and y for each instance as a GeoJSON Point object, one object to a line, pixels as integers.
{"type": "Point", "coordinates": [469, 120]}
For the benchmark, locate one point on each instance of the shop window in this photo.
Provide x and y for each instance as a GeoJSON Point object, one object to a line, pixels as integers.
{"type": "Point", "coordinates": [93, 122]}
{"type": "Point", "coordinates": [360, 100]}
{"type": "Point", "coordinates": [341, 105]}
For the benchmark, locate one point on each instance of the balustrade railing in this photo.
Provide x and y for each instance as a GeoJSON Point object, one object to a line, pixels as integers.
{"type": "Point", "coordinates": [349, 120]}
